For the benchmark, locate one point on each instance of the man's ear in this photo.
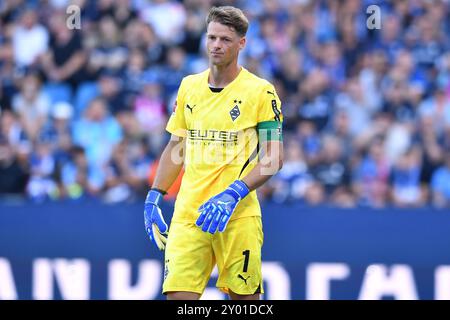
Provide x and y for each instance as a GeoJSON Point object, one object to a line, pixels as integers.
{"type": "Point", "coordinates": [242, 42]}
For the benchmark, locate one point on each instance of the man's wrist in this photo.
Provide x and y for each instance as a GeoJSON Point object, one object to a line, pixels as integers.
{"type": "Point", "coordinates": [163, 192]}
{"type": "Point", "coordinates": [240, 188]}
{"type": "Point", "coordinates": [154, 196]}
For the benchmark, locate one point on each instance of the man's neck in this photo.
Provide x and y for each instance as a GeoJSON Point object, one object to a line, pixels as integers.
{"type": "Point", "coordinates": [220, 76]}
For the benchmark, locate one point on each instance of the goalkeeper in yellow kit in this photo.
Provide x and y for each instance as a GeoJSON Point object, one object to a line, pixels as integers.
{"type": "Point", "coordinates": [226, 131]}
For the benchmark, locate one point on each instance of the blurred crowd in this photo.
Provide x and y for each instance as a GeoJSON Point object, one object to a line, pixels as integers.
{"type": "Point", "coordinates": [367, 111]}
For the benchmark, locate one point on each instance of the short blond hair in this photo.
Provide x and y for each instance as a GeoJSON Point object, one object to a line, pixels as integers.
{"type": "Point", "coordinates": [229, 16]}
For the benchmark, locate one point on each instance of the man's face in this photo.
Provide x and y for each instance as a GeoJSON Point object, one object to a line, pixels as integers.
{"type": "Point", "coordinates": [223, 44]}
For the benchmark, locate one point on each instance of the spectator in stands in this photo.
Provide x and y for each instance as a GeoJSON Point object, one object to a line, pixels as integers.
{"type": "Point", "coordinates": [429, 45]}
{"type": "Point", "coordinates": [127, 171]}
{"type": "Point", "coordinates": [331, 170]}
{"type": "Point", "coordinates": [340, 128]}
{"type": "Point", "coordinates": [32, 105]}
{"type": "Point", "coordinates": [173, 71]}
{"type": "Point", "coordinates": [309, 139]}
{"type": "Point", "coordinates": [406, 189]}
{"type": "Point", "coordinates": [123, 13]}
{"type": "Point", "coordinates": [59, 131]}
{"type": "Point", "coordinates": [134, 73]}
{"type": "Point", "coordinates": [167, 18]}
{"type": "Point", "coordinates": [290, 72]}
{"type": "Point", "coordinates": [332, 63]}
{"type": "Point", "coordinates": [437, 107]}
{"type": "Point", "coordinates": [193, 29]}
{"type": "Point", "coordinates": [13, 176]}
{"type": "Point", "coordinates": [109, 54]}
{"type": "Point", "coordinates": [317, 102]}
{"type": "Point", "coordinates": [30, 39]}
{"type": "Point", "coordinates": [373, 70]}
{"type": "Point", "coordinates": [370, 178]}
{"type": "Point", "coordinates": [150, 110]}
{"type": "Point", "coordinates": [77, 178]}
{"type": "Point", "coordinates": [288, 76]}
{"type": "Point", "coordinates": [98, 133]}
{"type": "Point", "coordinates": [432, 144]}
{"type": "Point", "coordinates": [140, 35]}
{"type": "Point", "coordinates": [110, 89]}
{"type": "Point", "coordinates": [315, 194]}
{"type": "Point", "coordinates": [41, 185]}
{"type": "Point", "coordinates": [389, 39]}
{"type": "Point", "coordinates": [292, 181]}
{"type": "Point", "coordinates": [353, 102]}
{"type": "Point", "coordinates": [11, 129]}
{"type": "Point", "coordinates": [64, 62]}
{"type": "Point", "coordinates": [440, 184]}
{"type": "Point", "coordinates": [10, 74]}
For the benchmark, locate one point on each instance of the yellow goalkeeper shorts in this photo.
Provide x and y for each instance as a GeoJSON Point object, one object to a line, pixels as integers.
{"type": "Point", "coordinates": [191, 255]}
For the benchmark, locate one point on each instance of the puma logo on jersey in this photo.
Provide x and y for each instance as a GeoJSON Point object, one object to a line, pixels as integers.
{"type": "Point", "coordinates": [190, 108]}
{"type": "Point", "coordinates": [244, 279]}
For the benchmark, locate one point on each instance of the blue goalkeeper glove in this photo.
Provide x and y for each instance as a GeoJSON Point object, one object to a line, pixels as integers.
{"type": "Point", "coordinates": [155, 225]}
{"type": "Point", "coordinates": [216, 212]}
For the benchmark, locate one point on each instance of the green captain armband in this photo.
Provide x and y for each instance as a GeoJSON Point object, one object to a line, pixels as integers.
{"type": "Point", "coordinates": [270, 131]}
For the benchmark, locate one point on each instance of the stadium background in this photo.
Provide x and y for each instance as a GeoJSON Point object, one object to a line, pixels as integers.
{"type": "Point", "coordinates": [364, 192]}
